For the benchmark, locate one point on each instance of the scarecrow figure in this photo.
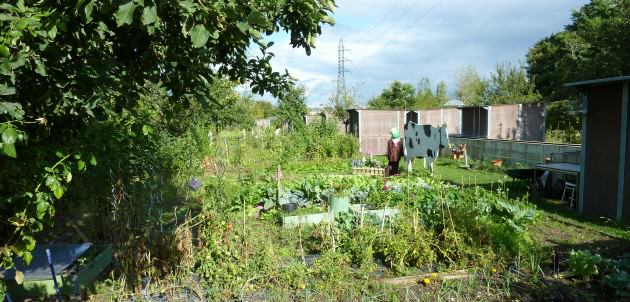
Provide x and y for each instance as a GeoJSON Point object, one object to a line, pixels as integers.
{"type": "Point", "coordinates": [395, 150]}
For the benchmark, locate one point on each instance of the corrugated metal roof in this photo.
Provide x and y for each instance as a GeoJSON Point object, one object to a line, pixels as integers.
{"type": "Point", "coordinates": [599, 81]}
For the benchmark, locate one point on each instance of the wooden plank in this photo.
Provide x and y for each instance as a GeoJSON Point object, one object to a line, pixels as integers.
{"type": "Point", "coordinates": [415, 279]}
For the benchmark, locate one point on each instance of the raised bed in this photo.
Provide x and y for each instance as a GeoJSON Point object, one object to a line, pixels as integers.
{"type": "Point", "coordinates": [368, 171]}
{"type": "Point", "coordinates": [313, 219]}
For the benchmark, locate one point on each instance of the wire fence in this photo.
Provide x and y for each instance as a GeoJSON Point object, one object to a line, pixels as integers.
{"type": "Point", "coordinates": [521, 153]}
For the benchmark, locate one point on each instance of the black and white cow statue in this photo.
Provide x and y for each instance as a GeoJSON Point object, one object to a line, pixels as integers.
{"type": "Point", "coordinates": [424, 141]}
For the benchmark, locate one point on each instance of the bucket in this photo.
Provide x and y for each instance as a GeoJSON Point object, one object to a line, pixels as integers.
{"type": "Point", "coordinates": [339, 204]}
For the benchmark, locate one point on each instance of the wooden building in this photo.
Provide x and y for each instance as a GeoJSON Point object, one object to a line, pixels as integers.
{"type": "Point", "coordinates": [372, 127]}
{"type": "Point", "coordinates": [522, 122]}
{"type": "Point", "coordinates": [604, 184]}
{"type": "Point", "coordinates": [436, 117]}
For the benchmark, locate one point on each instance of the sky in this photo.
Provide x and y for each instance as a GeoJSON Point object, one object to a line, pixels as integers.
{"type": "Point", "coordinates": [407, 40]}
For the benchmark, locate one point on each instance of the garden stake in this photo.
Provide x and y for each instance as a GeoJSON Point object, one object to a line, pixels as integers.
{"type": "Point", "coordinates": [227, 149]}
{"type": "Point", "coordinates": [52, 270]}
{"type": "Point", "coordinates": [331, 226]}
{"type": "Point", "coordinates": [278, 184]}
{"type": "Point", "coordinates": [362, 211]}
{"type": "Point", "coordinates": [383, 218]}
{"type": "Point", "coordinates": [300, 236]}
{"type": "Point", "coordinates": [476, 187]}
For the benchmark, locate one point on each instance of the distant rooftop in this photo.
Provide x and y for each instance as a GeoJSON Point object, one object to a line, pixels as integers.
{"type": "Point", "coordinates": [599, 81]}
{"type": "Point", "coordinates": [454, 103]}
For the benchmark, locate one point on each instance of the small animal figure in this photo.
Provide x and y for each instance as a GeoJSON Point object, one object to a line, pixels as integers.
{"type": "Point", "coordinates": [424, 141]}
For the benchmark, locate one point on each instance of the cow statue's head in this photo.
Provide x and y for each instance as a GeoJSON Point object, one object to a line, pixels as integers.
{"type": "Point", "coordinates": [443, 136]}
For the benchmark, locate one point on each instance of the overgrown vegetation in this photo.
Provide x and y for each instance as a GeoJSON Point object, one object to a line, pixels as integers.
{"type": "Point", "coordinates": [121, 119]}
{"type": "Point", "coordinates": [128, 87]}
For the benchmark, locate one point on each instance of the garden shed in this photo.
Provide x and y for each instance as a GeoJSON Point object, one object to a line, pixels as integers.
{"type": "Point", "coordinates": [522, 122]}
{"type": "Point", "coordinates": [604, 184]}
{"type": "Point", "coordinates": [372, 127]}
{"type": "Point", "coordinates": [474, 121]}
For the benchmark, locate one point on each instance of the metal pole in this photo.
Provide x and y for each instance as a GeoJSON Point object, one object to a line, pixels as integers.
{"type": "Point", "coordinates": [52, 270]}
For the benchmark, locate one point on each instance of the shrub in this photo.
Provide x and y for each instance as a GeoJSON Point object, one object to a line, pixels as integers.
{"type": "Point", "coordinates": [584, 264]}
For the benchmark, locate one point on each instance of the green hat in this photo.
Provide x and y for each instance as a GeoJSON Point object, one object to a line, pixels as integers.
{"type": "Point", "coordinates": [394, 132]}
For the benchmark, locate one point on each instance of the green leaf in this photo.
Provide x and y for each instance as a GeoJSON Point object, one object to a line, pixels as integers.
{"type": "Point", "coordinates": [199, 35]}
{"type": "Point", "coordinates": [42, 208]}
{"type": "Point", "coordinates": [80, 165]}
{"type": "Point", "coordinates": [189, 6]}
{"type": "Point", "coordinates": [4, 51]}
{"type": "Point", "coordinates": [52, 32]}
{"type": "Point", "coordinates": [68, 176]}
{"type": "Point", "coordinates": [19, 277]}
{"type": "Point", "coordinates": [27, 257]}
{"type": "Point", "coordinates": [146, 130]}
{"type": "Point", "coordinates": [269, 203]}
{"type": "Point", "coordinates": [124, 15]}
{"type": "Point", "coordinates": [6, 90]}
{"type": "Point", "coordinates": [244, 27]}
{"type": "Point", "coordinates": [9, 136]}
{"type": "Point", "coordinates": [41, 68]}
{"type": "Point", "coordinates": [6, 17]}
{"type": "Point", "coordinates": [29, 242]}
{"type": "Point", "coordinates": [329, 20]}
{"type": "Point", "coordinates": [58, 191]}
{"type": "Point", "coordinates": [92, 160]}
{"type": "Point", "coordinates": [88, 11]}
{"type": "Point", "coordinates": [9, 150]}
{"type": "Point", "coordinates": [149, 15]}
{"type": "Point", "coordinates": [257, 18]}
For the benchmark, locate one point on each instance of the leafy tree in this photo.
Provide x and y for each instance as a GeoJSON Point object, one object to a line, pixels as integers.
{"type": "Point", "coordinates": [341, 103]}
{"type": "Point", "coordinates": [509, 85]}
{"type": "Point", "coordinates": [397, 96]}
{"type": "Point", "coordinates": [471, 88]}
{"type": "Point", "coordinates": [593, 45]}
{"type": "Point", "coordinates": [64, 63]}
{"type": "Point", "coordinates": [440, 94]}
{"type": "Point", "coordinates": [563, 122]}
{"type": "Point", "coordinates": [292, 108]}
{"type": "Point", "coordinates": [262, 109]}
{"type": "Point", "coordinates": [426, 99]}
{"type": "Point", "coordinates": [227, 108]}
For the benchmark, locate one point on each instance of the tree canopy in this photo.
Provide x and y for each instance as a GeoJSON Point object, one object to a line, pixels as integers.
{"type": "Point", "coordinates": [594, 45]}
{"type": "Point", "coordinates": [292, 107]}
{"type": "Point", "coordinates": [509, 84]}
{"type": "Point", "coordinates": [470, 87]}
{"type": "Point", "coordinates": [397, 95]}
{"type": "Point", "coordinates": [401, 95]}
{"type": "Point", "coordinates": [137, 64]}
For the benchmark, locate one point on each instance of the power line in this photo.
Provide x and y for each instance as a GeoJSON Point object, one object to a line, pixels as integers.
{"type": "Point", "coordinates": [383, 32]}
{"type": "Point", "coordinates": [405, 29]}
{"type": "Point", "coordinates": [391, 9]}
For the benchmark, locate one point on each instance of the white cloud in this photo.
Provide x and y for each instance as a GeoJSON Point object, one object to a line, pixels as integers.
{"type": "Point", "coordinates": [406, 40]}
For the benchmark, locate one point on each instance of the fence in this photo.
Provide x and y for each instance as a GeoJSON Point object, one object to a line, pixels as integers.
{"type": "Point", "coordinates": [513, 152]}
